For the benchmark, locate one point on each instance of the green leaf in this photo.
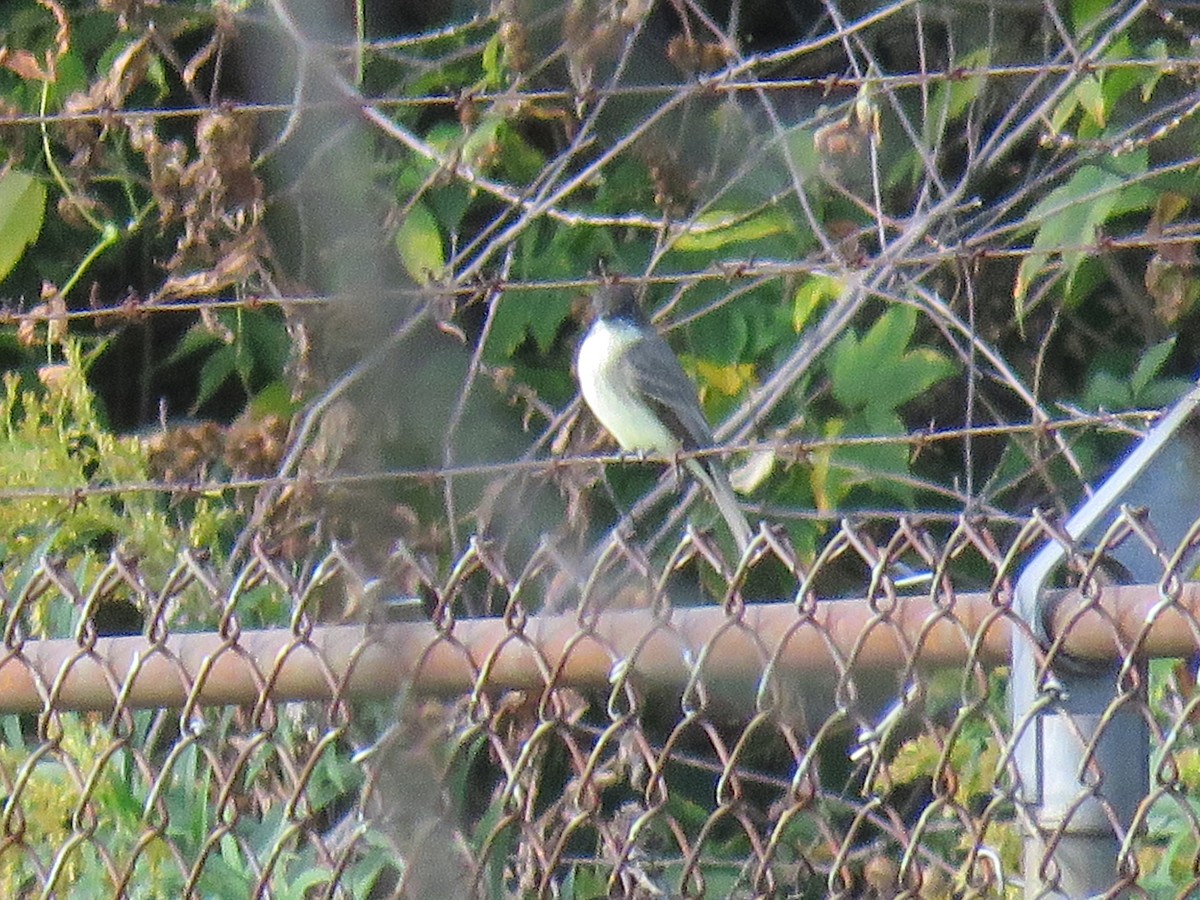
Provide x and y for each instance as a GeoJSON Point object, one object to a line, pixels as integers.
{"type": "Point", "coordinates": [449, 203]}
{"type": "Point", "coordinates": [216, 370]}
{"type": "Point", "coordinates": [301, 884]}
{"type": "Point", "coordinates": [419, 243]}
{"type": "Point", "coordinates": [879, 374]}
{"type": "Point", "coordinates": [1157, 50]}
{"type": "Point", "coordinates": [717, 229]}
{"type": "Point", "coordinates": [963, 92]}
{"type": "Point", "coordinates": [198, 337]}
{"type": "Point", "coordinates": [1085, 12]}
{"type": "Point", "coordinates": [481, 144]}
{"type": "Point", "coordinates": [1070, 215]}
{"type": "Point", "coordinates": [837, 470]}
{"type": "Point", "coordinates": [70, 76]}
{"type": "Point", "coordinates": [911, 376]}
{"type": "Point", "coordinates": [518, 160]}
{"type": "Point", "coordinates": [244, 359]}
{"type": "Point", "coordinates": [266, 340]}
{"type": "Point", "coordinates": [1090, 96]}
{"type": "Point", "coordinates": [1098, 94]}
{"type": "Point", "coordinates": [811, 295]}
{"type": "Point", "coordinates": [1118, 80]}
{"type": "Point", "coordinates": [156, 74]}
{"type": "Point", "coordinates": [1163, 392]}
{"type": "Point", "coordinates": [493, 71]}
{"type": "Point", "coordinates": [22, 208]}
{"type": "Point", "coordinates": [886, 339]}
{"type": "Point", "coordinates": [273, 400]}
{"type": "Point", "coordinates": [521, 316]}
{"type": "Point", "coordinates": [884, 466]}
{"type": "Point", "coordinates": [719, 337]}
{"type": "Point", "coordinates": [1149, 365]}
{"type": "Point", "coordinates": [859, 367]}
{"type": "Point", "coordinates": [1107, 391]}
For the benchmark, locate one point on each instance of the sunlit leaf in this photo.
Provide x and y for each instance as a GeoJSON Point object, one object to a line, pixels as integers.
{"type": "Point", "coordinates": [519, 161]}
{"type": "Point", "coordinates": [275, 399]}
{"type": "Point", "coordinates": [1085, 12]}
{"type": "Point", "coordinates": [482, 145]}
{"type": "Point", "coordinates": [811, 295]}
{"type": "Point", "coordinates": [730, 380]}
{"type": "Point", "coordinates": [827, 489]}
{"type": "Point", "coordinates": [1070, 215]}
{"type": "Point", "coordinates": [916, 758]}
{"type": "Point", "coordinates": [419, 243]}
{"type": "Point", "coordinates": [493, 70]}
{"type": "Point", "coordinates": [964, 91]}
{"type": "Point", "coordinates": [1090, 96]}
{"type": "Point", "coordinates": [717, 229]}
{"type": "Point", "coordinates": [22, 208]}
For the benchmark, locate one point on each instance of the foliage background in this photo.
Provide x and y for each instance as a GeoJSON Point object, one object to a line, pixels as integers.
{"type": "Point", "coordinates": [275, 276]}
{"type": "Point", "coordinates": [983, 236]}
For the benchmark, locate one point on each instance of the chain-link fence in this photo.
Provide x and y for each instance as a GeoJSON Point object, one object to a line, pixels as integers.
{"type": "Point", "coordinates": [318, 579]}
{"type": "Point", "coordinates": [851, 737]}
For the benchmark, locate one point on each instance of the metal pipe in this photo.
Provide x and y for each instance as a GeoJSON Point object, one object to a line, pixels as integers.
{"type": "Point", "coordinates": [487, 654]}
{"type": "Point", "coordinates": [1082, 744]}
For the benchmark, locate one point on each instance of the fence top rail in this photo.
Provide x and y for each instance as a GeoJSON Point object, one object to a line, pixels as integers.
{"type": "Point", "coordinates": [658, 649]}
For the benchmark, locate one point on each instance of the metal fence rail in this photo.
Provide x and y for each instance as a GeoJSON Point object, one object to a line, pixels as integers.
{"type": "Point", "coordinates": [717, 747]}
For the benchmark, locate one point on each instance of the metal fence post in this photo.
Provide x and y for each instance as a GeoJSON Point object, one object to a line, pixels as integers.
{"type": "Point", "coordinates": [1083, 760]}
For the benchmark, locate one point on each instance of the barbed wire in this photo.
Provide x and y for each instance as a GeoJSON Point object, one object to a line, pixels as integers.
{"type": "Point", "coordinates": [729, 270]}
{"type": "Point", "coordinates": [888, 265]}
{"type": "Point", "coordinates": [792, 450]}
{"type": "Point", "coordinates": [714, 83]}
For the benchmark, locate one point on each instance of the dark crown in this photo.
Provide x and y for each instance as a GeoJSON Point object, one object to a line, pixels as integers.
{"type": "Point", "coordinates": [616, 301]}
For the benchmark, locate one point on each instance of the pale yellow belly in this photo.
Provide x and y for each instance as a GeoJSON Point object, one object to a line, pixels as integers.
{"type": "Point", "coordinates": [612, 398]}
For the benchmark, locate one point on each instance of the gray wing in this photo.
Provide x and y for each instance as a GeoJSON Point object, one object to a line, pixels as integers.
{"type": "Point", "coordinates": [656, 374]}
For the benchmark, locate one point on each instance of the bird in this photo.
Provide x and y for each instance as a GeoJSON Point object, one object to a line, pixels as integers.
{"type": "Point", "coordinates": [635, 386]}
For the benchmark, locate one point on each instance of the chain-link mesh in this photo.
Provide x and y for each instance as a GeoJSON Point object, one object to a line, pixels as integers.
{"type": "Point", "coordinates": [914, 255]}
{"type": "Point", "coordinates": [847, 737]}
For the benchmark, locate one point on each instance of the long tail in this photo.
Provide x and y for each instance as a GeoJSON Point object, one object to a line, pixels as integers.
{"type": "Point", "coordinates": [711, 474]}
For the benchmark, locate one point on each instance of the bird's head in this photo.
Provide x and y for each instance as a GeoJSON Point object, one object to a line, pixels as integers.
{"type": "Point", "coordinates": [616, 301]}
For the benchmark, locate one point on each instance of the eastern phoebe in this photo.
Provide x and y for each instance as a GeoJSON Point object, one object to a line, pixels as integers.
{"type": "Point", "coordinates": [635, 386]}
